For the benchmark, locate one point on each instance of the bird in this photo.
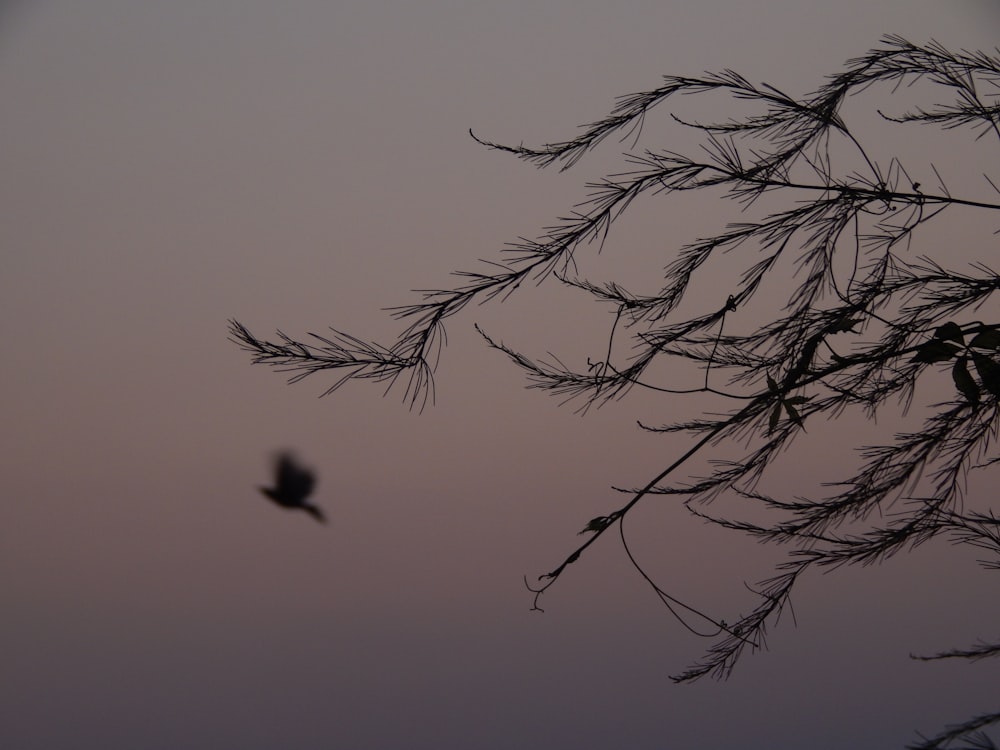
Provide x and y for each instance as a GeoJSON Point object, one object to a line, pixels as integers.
{"type": "Point", "coordinates": [292, 486]}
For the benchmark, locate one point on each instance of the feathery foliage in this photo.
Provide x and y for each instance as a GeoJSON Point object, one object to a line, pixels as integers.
{"type": "Point", "coordinates": [863, 320]}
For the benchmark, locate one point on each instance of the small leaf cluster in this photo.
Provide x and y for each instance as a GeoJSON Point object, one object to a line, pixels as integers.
{"type": "Point", "coordinates": [786, 403]}
{"type": "Point", "coordinates": [949, 344]}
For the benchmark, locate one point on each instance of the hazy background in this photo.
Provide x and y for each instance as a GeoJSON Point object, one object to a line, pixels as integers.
{"type": "Point", "coordinates": [166, 166]}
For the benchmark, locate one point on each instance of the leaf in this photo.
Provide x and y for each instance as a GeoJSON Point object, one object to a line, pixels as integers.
{"type": "Point", "coordinates": [986, 339]}
{"type": "Point", "coordinates": [775, 416]}
{"type": "Point", "coordinates": [793, 413]}
{"type": "Point", "coordinates": [950, 332]}
{"type": "Point", "coordinates": [989, 372]}
{"type": "Point", "coordinates": [964, 381]}
{"type": "Point", "coordinates": [771, 384]}
{"type": "Point", "coordinates": [845, 326]}
{"type": "Point", "coordinates": [935, 351]}
{"type": "Point", "coordinates": [597, 524]}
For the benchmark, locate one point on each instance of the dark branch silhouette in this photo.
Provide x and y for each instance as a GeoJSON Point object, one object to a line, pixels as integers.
{"type": "Point", "coordinates": [834, 304]}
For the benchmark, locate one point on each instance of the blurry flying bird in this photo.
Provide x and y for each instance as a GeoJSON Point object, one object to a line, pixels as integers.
{"type": "Point", "coordinates": [292, 485]}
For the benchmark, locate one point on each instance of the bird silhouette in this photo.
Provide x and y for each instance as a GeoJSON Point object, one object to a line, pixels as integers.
{"type": "Point", "coordinates": [292, 486]}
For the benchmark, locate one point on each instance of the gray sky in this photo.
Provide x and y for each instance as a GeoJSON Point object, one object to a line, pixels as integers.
{"type": "Point", "coordinates": [167, 166]}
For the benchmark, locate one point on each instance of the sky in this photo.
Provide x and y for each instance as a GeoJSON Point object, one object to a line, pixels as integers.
{"type": "Point", "coordinates": [297, 165]}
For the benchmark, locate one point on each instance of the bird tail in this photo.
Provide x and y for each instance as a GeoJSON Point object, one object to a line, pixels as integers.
{"type": "Point", "coordinates": [315, 512]}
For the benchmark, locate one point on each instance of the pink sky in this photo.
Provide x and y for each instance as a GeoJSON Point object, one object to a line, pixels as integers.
{"type": "Point", "coordinates": [167, 166]}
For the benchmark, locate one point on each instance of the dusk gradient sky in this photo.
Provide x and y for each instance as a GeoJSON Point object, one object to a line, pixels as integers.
{"type": "Point", "coordinates": [167, 166]}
